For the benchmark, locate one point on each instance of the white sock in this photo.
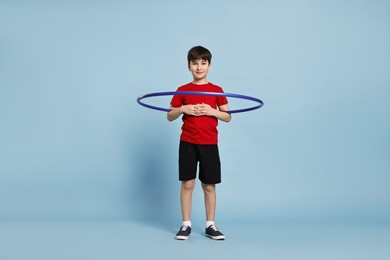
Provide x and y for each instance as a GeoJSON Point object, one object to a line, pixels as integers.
{"type": "Point", "coordinates": [209, 223]}
{"type": "Point", "coordinates": [187, 223]}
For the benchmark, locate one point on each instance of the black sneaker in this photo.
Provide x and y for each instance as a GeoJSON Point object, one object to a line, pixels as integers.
{"type": "Point", "coordinates": [214, 233]}
{"type": "Point", "coordinates": [184, 233]}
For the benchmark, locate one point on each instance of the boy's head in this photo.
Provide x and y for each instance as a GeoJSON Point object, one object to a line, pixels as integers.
{"type": "Point", "coordinates": [199, 52]}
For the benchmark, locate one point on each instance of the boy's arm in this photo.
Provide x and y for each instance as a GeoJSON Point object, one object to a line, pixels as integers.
{"type": "Point", "coordinates": [222, 113]}
{"type": "Point", "coordinates": [174, 113]}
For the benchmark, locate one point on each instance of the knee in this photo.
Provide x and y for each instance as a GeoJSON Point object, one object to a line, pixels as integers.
{"type": "Point", "coordinates": [188, 185]}
{"type": "Point", "coordinates": [208, 188]}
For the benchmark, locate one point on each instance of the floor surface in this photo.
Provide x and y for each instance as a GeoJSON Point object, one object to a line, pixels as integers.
{"type": "Point", "coordinates": [55, 240]}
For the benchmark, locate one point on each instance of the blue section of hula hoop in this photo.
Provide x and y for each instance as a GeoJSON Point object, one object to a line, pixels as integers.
{"type": "Point", "coordinates": [196, 93]}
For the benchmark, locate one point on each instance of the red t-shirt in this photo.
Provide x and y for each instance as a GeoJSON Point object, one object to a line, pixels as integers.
{"type": "Point", "coordinates": [199, 129]}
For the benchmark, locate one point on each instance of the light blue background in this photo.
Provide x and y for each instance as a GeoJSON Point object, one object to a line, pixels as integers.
{"type": "Point", "coordinates": [75, 145]}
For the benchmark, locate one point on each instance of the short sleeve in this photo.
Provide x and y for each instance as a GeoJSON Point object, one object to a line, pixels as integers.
{"type": "Point", "coordinates": [176, 101]}
{"type": "Point", "coordinates": [221, 100]}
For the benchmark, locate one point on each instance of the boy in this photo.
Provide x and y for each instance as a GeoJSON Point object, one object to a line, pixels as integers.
{"type": "Point", "coordinates": [198, 141]}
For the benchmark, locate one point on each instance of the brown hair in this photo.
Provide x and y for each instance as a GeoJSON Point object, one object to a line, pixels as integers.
{"type": "Point", "coordinates": [199, 52]}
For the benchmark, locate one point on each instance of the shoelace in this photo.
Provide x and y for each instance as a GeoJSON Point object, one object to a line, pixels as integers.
{"type": "Point", "coordinates": [184, 228]}
{"type": "Point", "coordinates": [213, 227]}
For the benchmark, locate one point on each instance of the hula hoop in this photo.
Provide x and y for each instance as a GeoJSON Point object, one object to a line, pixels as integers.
{"type": "Point", "coordinates": [196, 93]}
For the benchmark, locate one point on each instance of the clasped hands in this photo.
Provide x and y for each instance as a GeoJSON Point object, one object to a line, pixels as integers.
{"type": "Point", "coordinates": [198, 110]}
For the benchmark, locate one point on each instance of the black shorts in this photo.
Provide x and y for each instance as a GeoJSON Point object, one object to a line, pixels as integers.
{"type": "Point", "coordinates": [208, 158]}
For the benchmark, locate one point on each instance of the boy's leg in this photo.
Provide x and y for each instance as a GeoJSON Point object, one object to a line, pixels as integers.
{"type": "Point", "coordinates": [187, 174]}
{"type": "Point", "coordinates": [186, 202]}
{"type": "Point", "coordinates": [186, 190]}
{"type": "Point", "coordinates": [210, 200]}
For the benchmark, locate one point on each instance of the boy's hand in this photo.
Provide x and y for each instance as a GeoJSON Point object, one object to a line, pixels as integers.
{"type": "Point", "coordinates": [199, 110]}
{"type": "Point", "coordinates": [193, 110]}
{"type": "Point", "coordinates": [206, 110]}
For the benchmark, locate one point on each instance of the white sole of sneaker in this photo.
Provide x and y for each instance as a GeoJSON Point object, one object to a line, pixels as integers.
{"type": "Point", "coordinates": [181, 237]}
{"type": "Point", "coordinates": [216, 237]}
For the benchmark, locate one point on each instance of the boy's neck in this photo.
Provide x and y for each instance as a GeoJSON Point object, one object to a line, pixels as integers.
{"type": "Point", "coordinates": [200, 82]}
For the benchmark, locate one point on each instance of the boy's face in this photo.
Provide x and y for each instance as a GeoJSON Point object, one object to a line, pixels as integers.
{"type": "Point", "coordinates": [199, 69]}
